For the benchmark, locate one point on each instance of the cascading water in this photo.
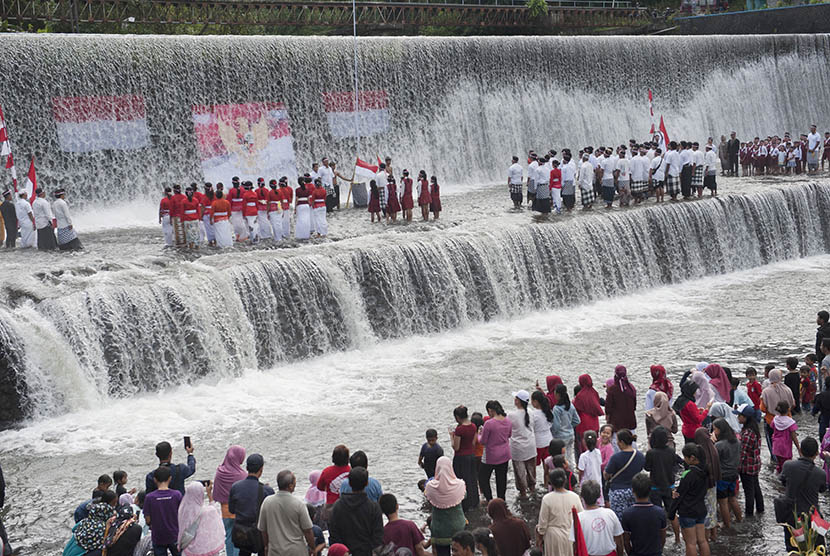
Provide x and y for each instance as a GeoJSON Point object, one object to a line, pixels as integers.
{"type": "Point", "coordinates": [115, 340]}
{"type": "Point", "coordinates": [458, 107]}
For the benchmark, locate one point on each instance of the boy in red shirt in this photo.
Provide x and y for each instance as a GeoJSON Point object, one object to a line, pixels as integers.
{"type": "Point", "coordinates": [753, 387]}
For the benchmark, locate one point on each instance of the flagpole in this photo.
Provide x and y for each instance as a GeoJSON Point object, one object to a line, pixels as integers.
{"type": "Point", "coordinates": [354, 36]}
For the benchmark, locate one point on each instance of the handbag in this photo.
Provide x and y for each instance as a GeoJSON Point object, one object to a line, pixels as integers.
{"type": "Point", "coordinates": [189, 534]}
{"type": "Point", "coordinates": [784, 506]}
{"type": "Point", "coordinates": [248, 537]}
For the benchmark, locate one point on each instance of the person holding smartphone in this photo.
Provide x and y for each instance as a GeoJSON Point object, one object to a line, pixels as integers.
{"type": "Point", "coordinates": [179, 471]}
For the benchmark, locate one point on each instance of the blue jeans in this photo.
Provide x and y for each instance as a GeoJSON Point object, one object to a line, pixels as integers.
{"type": "Point", "coordinates": [161, 549]}
{"type": "Point", "coordinates": [230, 549]}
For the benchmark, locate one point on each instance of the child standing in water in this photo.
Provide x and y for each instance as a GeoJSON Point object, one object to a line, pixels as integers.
{"type": "Point", "coordinates": [783, 435]}
{"type": "Point", "coordinates": [435, 195]}
{"type": "Point", "coordinates": [374, 200]}
{"type": "Point", "coordinates": [424, 198]}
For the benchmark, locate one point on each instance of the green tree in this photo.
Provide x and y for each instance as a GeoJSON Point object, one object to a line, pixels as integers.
{"type": "Point", "coordinates": [537, 8]}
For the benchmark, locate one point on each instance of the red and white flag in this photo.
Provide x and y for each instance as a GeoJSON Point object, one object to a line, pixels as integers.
{"type": "Point", "coordinates": [371, 118]}
{"type": "Point", "coordinates": [246, 140]}
{"type": "Point", "coordinates": [651, 112]}
{"type": "Point", "coordinates": [364, 170]}
{"type": "Point", "coordinates": [86, 124]}
{"type": "Point", "coordinates": [31, 182]}
{"type": "Point", "coordinates": [5, 148]}
{"type": "Point", "coordinates": [10, 167]}
{"type": "Point", "coordinates": [819, 524]}
{"type": "Point", "coordinates": [664, 135]}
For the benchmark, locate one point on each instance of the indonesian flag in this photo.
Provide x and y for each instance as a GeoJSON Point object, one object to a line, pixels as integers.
{"type": "Point", "coordinates": [651, 112]}
{"type": "Point", "coordinates": [5, 148]}
{"type": "Point", "coordinates": [664, 135]}
{"type": "Point", "coordinates": [798, 534]}
{"type": "Point", "coordinates": [86, 124]}
{"type": "Point", "coordinates": [371, 118]}
{"type": "Point", "coordinates": [364, 170]}
{"type": "Point", "coordinates": [12, 169]}
{"type": "Point", "coordinates": [31, 182]}
{"type": "Point", "coordinates": [818, 524]}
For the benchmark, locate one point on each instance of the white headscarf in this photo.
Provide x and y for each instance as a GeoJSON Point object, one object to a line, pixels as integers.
{"type": "Point", "coordinates": [210, 534]}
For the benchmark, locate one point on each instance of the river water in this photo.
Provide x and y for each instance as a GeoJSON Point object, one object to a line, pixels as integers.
{"type": "Point", "coordinates": [385, 390]}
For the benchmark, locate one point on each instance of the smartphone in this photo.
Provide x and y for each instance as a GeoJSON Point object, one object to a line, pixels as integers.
{"type": "Point", "coordinates": [205, 482]}
{"type": "Point", "coordinates": [187, 442]}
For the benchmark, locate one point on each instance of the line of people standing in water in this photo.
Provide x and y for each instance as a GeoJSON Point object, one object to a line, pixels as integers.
{"type": "Point", "coordinates": [385, 201]}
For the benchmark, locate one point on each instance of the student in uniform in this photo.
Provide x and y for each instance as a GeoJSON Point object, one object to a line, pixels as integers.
{"type": "Point", "coordinates": [532, 176]}
{"type": "Point", "coordinates": [274, 211]}
{"type": "Point", "coordinates": [686, 170]}
{"type": "Point", "coordinates": [220, 211]}
{"type": "Point", "coordinates": [568, 169]}
{"type": "Point", "coordinates": [555, 183]}
{"type": "Point", "coordinates": [698, 166]}
{"type": "Point", "coordinates": [657, 175]}
{"type": "Point", "coordinates": [318, 208]}
{"type": "Point", "coordinates": [263, 221]}
{"type": "Point", "coordinates": [393, 206]}
{"type": "Point", "coordinates": [674, 165]}
{"type": "Point", "coordinates": [302, 228]}
{"type": "Point", "coordinates": [286, 198]}
{"type": "Point", "coordinates": [586, 182]}
{"type": "Point", "coordinates": [237, 203]}
{"type": "Point", "coordinates": [435, 196]}
{"type": "Point", "coordinates": [514, 183]}
{"type": "Point", "coordinates": [623, 176]}
{"type": "Point", "coordinates": [374, 200]}
{"type": "Point", "coordinates": [250, 210]}
{"type": "Point", "coordinates": [164, 217]}
{"type": "Point", "coordinates": [424, 198]}
{"type": "Point", "coordinates": [406, 196]}
{"type": "Point", "coordinates": [710, 171]}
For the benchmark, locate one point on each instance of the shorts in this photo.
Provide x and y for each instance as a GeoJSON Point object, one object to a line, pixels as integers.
{"type": "Point", "coordinates": [690, 522]}
{"type": "Point", "coordinates": [726, 489]}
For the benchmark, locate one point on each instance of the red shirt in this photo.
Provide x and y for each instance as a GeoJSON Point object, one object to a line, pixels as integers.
{"type": "Point", "coordinates": [273, 200]}
{"type": "Point", "coordinates": [330, 480]}
{"type": "Point", "coordinates": [467, 434]}
{"type": "Point", "coordinates": [286, 196]}
{"type": "Point", "coordinates": [754, 390]}
{"type": "Point", "coordinates": [235, 197]}
{"type": "Point", "coordinates": [221, 210]}
{"type": "Point", "coordinates": [692, 417]}
{"type": "Point", "coordinates": [250, 202]}
{"type": "Point", "coordinates": [318, 196]}
{"type": "Point", "coordinates": [164, 206]}
{"type": "Point", "coordinates": [206, 203]}
{"type": "Point", "coordinates": [555, 179]}
{"type": "Point", "coordinates": [262, 196]}
{"type": "Point", "coordinates": [176, 204]}
{"type": "Point", "coordinates": [190, 209]}
{"type": "Point", "coordinates": [302, 196]}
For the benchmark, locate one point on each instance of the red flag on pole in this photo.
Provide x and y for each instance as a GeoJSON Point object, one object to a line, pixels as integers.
{"type": "Point", "coordinates": [651, 112]}
{"type": "Point", "coordinates": [664, 134]}
{"type": "Point", "coordinates": [5, 148]}
{"type": "Point", "coordinates": [31, 182]}
{"type": "Point", "coordinates": [12, 169]}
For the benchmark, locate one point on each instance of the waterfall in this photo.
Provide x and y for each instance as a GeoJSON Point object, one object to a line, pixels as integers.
{"type": "Point", "coordinates": [458, 107]}
{"type": "Point", "coordinates": [112, 341]}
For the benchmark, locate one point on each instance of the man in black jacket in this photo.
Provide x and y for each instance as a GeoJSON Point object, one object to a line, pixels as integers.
{"type": "Point", "coordinates": [822, 332]}
{"type": "Point", "coordinates": [803, 481]}
{"type": "Point", "coordinates": [733, 146]}
{"type": "Point", "coordinates": [9, 218]}
{"type": "Point", "coordinates": [355, 520]}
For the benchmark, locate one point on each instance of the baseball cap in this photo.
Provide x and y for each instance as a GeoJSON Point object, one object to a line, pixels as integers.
{"type": "Point", "coordinates": [522, 395]}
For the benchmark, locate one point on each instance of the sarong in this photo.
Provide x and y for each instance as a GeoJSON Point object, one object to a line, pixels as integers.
{"type": "Point", "coordinates": [638, 187]}
{"type": "Point", "coordinates": [697, 177]}
{"type": "Point", "coordinates": [672, 185]}
{"type": "Point", "coordinates": [46, 238]}
{"type": "Point", "coordinates": [286, 223]}
{"type": "Point", "coordinates": [275, 218]}
{"type": "Point", "coordinates": [710, 183]}
{"type": "Point", "coordinates": [178, 231]}
{"type": "Point", "coordinates": [320, 223]}
{"type": "Point", "coordinates": [240, 229]}
{"type": "Point", "coordinates": [264, 225]}
{"type": "Point", "coordinates": [302, 228]}
{"type": "Point", "coordinates": [28, 235]}
{"type": "Point", "coordinates": [686, 180]}
{"type": "Point", "coordinates": [211, 236]}
{"type": "Point", "coordinates": [167, 230]}
{"type": "Point", "coordinates": [68, 239]}
{"type": "Point", "coordinates": [224, 234]}
{"type": "Point", "coordinates": [191, 232]}
{"type": "Point", "coordinates": [587, 196]}
{"type": "Point", "coordinates": [253, 228]}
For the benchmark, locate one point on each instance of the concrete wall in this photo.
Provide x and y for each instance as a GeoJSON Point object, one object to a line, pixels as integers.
{"type": "Point", "coordinates": [813, 18]}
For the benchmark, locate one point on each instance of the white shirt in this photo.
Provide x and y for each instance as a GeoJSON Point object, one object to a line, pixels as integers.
{"type": "Point", "coordinates": [62, 213]}
{"type": "Point", "coordinates": [43, 213]}
{"type": "Point", "coordinates": [327, 175]}
{"type": "Point", "coordinates": [593, 160]}
{"type": "Point", "coordinates": [672, 162]}
{"type": "Point", "coordinates": [639, 168]}
{"type": "Point", "coordinates": [522, 439]}
{"type": "Point", "coordinates": [813, 141]}
{"type": "Point", "coordinates": [381, 179]}
{"type": "Point", "coordinates": [782, 155]}
{"type": "Point", "coordinates": [623, 166]}
{"type": "Point", "coordinates": [686, 157]}
{"type": "Point", "coordinates": [314, 175]}
{"type": "Point", "coordinates": [541, 427]}
{"type": "Point", "coordinates": [586, 176]}
{"type": "Point", "coordinates": [543, 173]}
{"type": "Point", "coordinates": [568, 171]}
{"type": "Point", "coordinates": [710, 159]}
{"type": "Point", "coordinates": [514, 174]}
{"type": "Point", "coordinates": [698, 157]}
{"type": "Point", "coordinates": [650, 154]}
{"type": "Point", "coordinates": [599, 526]}
{"type": "Point", "coordinates": [590, 463]}
{"type": "Point", "coordinates": [533, 170]}
{"type": "Point", "coordinates": [658, 168]}
{"type": "Point", "coordinates": [608, 167]}
{"type": "Point", "coordinates": [23, 209]}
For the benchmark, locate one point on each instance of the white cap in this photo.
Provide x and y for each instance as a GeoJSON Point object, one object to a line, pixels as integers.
{"type": "Point", "coordinates": [522, 395]}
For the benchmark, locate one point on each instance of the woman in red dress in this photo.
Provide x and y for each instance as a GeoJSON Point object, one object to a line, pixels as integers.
{"type": "Point", "coordinates": [424, 198]}
{"type": "Point", "coordinates": [435, 194]}
{"type": "Point", "coordinates": [374, 200]}
{"type": "Point", "coordinates": [406, 196]}
{"type": "Point", "coordinates": [393, 207]}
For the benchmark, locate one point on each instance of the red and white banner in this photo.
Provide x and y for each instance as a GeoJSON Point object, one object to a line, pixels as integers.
{"type": "Point", "coordinates": [30, 185]}
{"type": "Point", "coordinates": [86, 124]}
{"type": "Point", "coordinates": [664, 135]}
{"type": "Point", "coordinates": [10, 167]}
{"type": "Point", "coordinates": [371, 118]}
{"type": "Point", "coordinates": [363, 171]}
{"type": "Point", "coordinates": [819, 524]}
{"type": "Point", "coordinates": [651, 112]}
{"type": "Point", "coordinates": [5, 148]}
{"type": "Point", "coordinates": [246, 140]}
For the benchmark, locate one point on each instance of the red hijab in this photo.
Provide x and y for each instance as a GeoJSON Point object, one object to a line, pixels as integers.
{"type": "Point", "coordinates": [552, 382]}
{"type": "Point", "coordinates": [621, 380]}
{"type": "Point", "coordinates": [720, 381]}
{"type": "Point", "coordinates": [659, 381]}
{"type": "Point", "coordinates": [587, 400]}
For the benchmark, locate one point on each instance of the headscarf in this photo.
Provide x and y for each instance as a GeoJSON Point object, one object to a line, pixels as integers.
{"type": "Point", "coordinates": [228, 473]}
{"type": "Point", "coordinates": [719, 381]}
{"type": "Point", "coordinates": [119, 523]}
{"type": "Point", "coordinates": [701, 366]}
{"type": "Point", "coordinates": [210, 533]}
{"type": "Point", "coordinates": [704, 391]}
{"type": "Point", "coordinates": [609, 383]}
{"type": "Point", "coordinates": [710, 454]}
{"type": "Point", "coordinates": [586, 400]}
{"type": "Point", "coordinates": [659, 381]}
{"type": "Point", "coordinates": [688, 390]}
{"type": "Point", "coordinates": [338, 549]}
{"type": "Point", "coordinates": [552, 382]}
{"type": "Point", "coordinates": [89, 533]}
{"type": "Point", "coordinates": [445, 490]}
{"type": "Point", "coordinates": [776, 392]}
{"type": "Point", "coordinates": [125, 500]}
{"type": "Point", "coordinates": [314, 495]}
{"type": "Point", "coordinates": [511, 534]}
{"type": "Point", "coordinates": [661, 412]}
{"type": "Point", "coordinates": [621, 380]}
{"type": "Point", "coordinates": [723, 411]}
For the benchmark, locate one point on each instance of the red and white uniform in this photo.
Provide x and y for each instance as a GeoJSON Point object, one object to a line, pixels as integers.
{"type": "Point", "coordinates": [190, 210]}
{"type": "Point", "coordinates": [176, 205]}
{"type": "Point", "coordinates": [249, 211]}
{"type": "Point", "coordinates": [318, 200]}
{"type": "Point", "coordinates": [555, 183]}
{"type": "Point", "coordinates": [166, 226]}
{"type": "Point", "coordinates": [286, 197]}
{"type": "Point", "coordinates": [262, 212]}
{"type": "Point", "coordinates": [275, 214]}
{"type": "Point", "coordinates": [221, 211]}
{"type": "Point", "coordinates": [206, 202]}
{"type": "Point", "coordinates": [302, 228]}
{"type": "Point", "coordinates": [237, 218]}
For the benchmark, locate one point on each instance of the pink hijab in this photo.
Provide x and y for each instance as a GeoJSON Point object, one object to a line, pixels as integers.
{"type": "Point", "coordinates": [445, 490]}
{"type": "Point", "coordinates": [314, 495]}
{"type": "Point", "coordinates": [704, 390]}
{"type": "Point", "coordinates": [210, 533]}
{"type": "Point", "coordinates": [228, 473]}
{"type": "Point", "coordinates": [719, 381]}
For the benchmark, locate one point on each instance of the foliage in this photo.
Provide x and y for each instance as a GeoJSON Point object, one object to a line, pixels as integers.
{"type": "Point", "coordinates": [537, 8]}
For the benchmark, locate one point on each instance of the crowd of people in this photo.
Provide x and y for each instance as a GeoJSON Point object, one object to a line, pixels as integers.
{"type": "Point", "coordinates": [39, 224]}
{"type": "Point", "coordinates": [252, 214]}
{"type": "Point", "coordinates": [633, 173]}
{"type": "Point", "coordinates": [605, 491]}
